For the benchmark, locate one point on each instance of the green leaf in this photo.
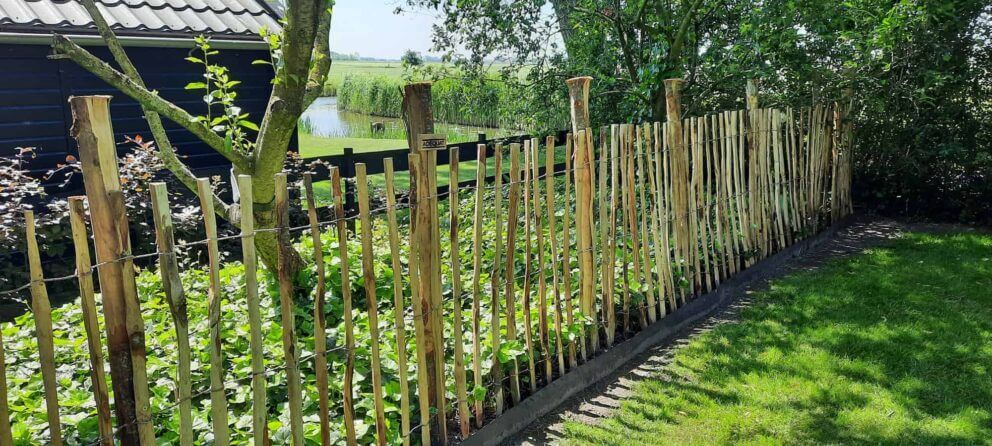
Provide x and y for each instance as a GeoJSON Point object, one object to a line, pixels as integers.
{"type": "Point", "coordinates": [248, 125]}
{"type": "Point", "coordinates": [196, 86]}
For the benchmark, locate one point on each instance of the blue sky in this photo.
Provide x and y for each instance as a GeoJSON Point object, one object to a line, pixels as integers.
{"type": "Point", "coordinates": [370, 28]}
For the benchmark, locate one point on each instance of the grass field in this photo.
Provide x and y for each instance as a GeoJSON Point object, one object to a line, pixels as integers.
{"type": "Point", "coordinates": [890, 347]}
{"type": "Point", "coordinates": [312, 146]}
{"type": "Point", "coordinates": [344, 68]}
{"type": "Point", "coordinates": [466, 171]}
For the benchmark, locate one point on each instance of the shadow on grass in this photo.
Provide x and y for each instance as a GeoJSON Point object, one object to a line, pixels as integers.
{"type": "Point", "coordinates": [893, 346]}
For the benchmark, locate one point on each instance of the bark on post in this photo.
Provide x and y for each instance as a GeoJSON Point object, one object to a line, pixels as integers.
{"type": "Point", "coordinates": [125, 330]}
{"type": "Point", "coordinates": [578, 93]}
{"type": "Point", "coordinates": [418, 112]}
{"type": "Point", "coordinates": [418, 116]}
{"type": "Point", "coordinates": [751, 90]}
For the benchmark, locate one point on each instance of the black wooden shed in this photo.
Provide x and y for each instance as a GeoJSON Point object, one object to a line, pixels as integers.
{"type": "Point", "coordinates": [157, 35]}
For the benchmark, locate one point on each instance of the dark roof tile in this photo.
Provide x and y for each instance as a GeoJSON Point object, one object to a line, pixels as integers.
{"type": "Point", "coordinates": [239, 19]}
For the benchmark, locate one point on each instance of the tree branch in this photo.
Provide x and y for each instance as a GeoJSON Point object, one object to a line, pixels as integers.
{"type": "Point", "coordinates": [321, 57]}
{"type": "Point", "coordinates": [286, 103]}
{"type": "Point", "coordinates": [166, 152]}
{"type": "Point", "coordinates": [63, 47]}
{"type": "Point", "coordinates": [676, 49]}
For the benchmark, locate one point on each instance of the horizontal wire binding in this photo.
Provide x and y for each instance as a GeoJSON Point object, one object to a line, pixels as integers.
{"type": "Point", "coordinates": [379, 211]}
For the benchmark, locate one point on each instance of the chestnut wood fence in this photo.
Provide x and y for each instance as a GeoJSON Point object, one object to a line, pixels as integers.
{"type": "Point", "coordinates": [639, 220]}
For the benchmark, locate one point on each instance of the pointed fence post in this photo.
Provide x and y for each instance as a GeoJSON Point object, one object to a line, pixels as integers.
{"type": "Point", "coordinates": [418, 116]}
{"type": "Point", "coordinates": [125, 330]}
{"type": "Point", "coordinates": [578, 92]}
{"type": "Point", "coordinates": [41, 309]}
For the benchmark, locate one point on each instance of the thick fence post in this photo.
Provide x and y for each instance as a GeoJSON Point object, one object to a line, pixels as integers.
{"type": "Point", "coordinates": [125, 330]}
{"type": "Point", "coordinates": [578, 93]}
{"type": "Point", "coordinates": [679, 176]}
{"type": "Point", "coordinates": [418, 116]}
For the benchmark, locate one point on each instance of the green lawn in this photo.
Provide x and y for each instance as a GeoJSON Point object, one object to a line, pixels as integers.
{"type": "Point", "coordinates": [893, 346]}
{"type": "Point", "coordinates": [313, 146]}
{"type": "Point", "coordinates": [343, 68]}
{"type": "Point", "coordinates": [466, 171]}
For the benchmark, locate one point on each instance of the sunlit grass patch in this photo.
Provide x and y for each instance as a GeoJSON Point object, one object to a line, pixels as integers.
{"type": "Point", "coordinates": [892, 346]}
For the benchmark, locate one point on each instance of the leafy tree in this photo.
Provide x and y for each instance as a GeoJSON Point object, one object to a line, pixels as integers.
{"type": "Point", "coordinates": [412, 58]}
{"type": "Point", "coordinates": [300, 59]}
{"type": "Point", "coordinates": [918, 70]}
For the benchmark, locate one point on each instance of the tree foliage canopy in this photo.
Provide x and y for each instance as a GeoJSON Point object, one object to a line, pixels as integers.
{"type": "Point", "coordinates": [919, 71]}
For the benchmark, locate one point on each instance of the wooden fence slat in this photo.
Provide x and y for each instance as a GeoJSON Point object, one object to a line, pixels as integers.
{"type": "Point", "coordinates": [726, 186]}
{"type": "Point", "coordinates": [664, 202]}
{"type": "Point", "coordinates": [593, 316]}
{"type": "Point", "coordinates": [6, 436]}
{"type": "Point", "coordinates": [566, 258]}
{"type": "Point", "coordinates": [740, 186]}
{"type": "Point", "coordinates": [549, 162]}
{"type": "Point", "coordinates": [287, 312]}
{"type": "Point", "coordinates": [528, 270]}
{"type": "Point", "coordinates": [648, 285]}
{"type": "Point", "coordinates": [41, 309]}
{"type": "Point", "coordinates": [654, 203]}
{"type": "Point", "coordinates": [624, 239]}
{"type": "Point", "coordinates": [349, 325]}
{"type": "Point", "coordinates": [610, 267]}
{"type": "Point", "coordinates": [604, 235]}
{"type": "Point", "coordinates": [218, 397]}
{"type": "Point", "coordinates": [495, 277]}
{"type": "Point", "coordinates": [542, 286]}
{"type": "Point", "coordinates": [420, 305]}
{"type": "Point", "coordinates": [371, 303]}
{"type": "Point", "coordinates": [509, 269]}
{"type": "Point", "coordinates": [319, 317]}
{"type": "Point", "coordinates": [477, 224]}
{"type": "Point", "coordinates": [461, 393]}
{"type": "Point", "coordinates": [172, 288]}
{"type": "Point", "coordinates": [398, 300]}
{"type": "Point", "coordinates": [250, 261]}
{"type": "Point", "coordinates": [94, 343]}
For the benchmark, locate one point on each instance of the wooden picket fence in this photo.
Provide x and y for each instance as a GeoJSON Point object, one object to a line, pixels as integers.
{"type": "Point", "coordinates": [641, 219]}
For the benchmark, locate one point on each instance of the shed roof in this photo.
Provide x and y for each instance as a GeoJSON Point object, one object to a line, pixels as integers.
{"type": "Point", "coordinates": [222, 19]}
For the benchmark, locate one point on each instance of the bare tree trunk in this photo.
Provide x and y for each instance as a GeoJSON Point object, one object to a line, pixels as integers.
{"type": "Point", "coordinates": [563, 12]}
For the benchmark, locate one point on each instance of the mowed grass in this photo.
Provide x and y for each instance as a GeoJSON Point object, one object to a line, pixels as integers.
{"type": "Point", "coordinates": [466, 171]}
{"type": "Point", "coordinates": [313, 146]}
{"type": "Point", "coordinates": [893, 347]}
{"type": "Point", "coordinates": [341, 69]}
